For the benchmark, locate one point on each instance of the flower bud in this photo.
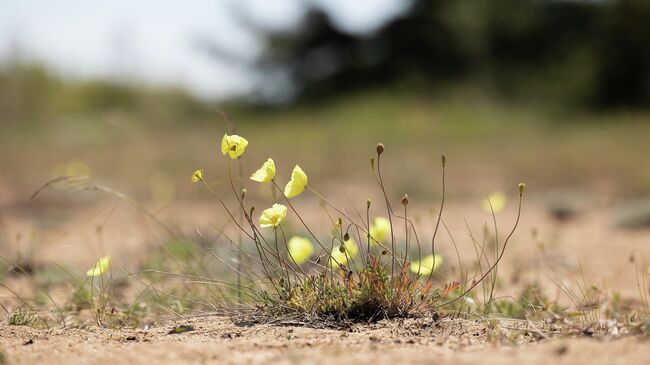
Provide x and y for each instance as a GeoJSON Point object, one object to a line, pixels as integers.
{"type": "Point", "coordinates": [342, 248]}
{"type": "Point", "coordinates": [522, 187]}
{"type": "Point", "coordinates": [346, 237]}
{"type": "Point", "coordinates": [444, 160]}
{"type": "Point", "coordinates": [368, 203]}
{"type": "Point", "coordinates": [405, 199]}
{"type": "Point", "coordinates": [384, 252]}
{"type": "Point", "coordinates": [243, 194]}
{"type": "Point", "coordinates": [380, 148]}
{"type": "Point", "coordinates": [372, 164]}
{"type": "Point", "coordinates": [339, 222]}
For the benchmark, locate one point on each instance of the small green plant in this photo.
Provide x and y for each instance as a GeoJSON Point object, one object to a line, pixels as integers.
{"type": "Point", "coordinates": [362, 270]}
{"type": "Point", "coordinates": [22, 317]}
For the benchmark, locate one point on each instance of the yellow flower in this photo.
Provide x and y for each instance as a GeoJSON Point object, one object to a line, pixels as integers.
{"type": "Point", "coordinates": [265, 173]}
{"type": "Point", "coordinates": [350, 250]}
{"type": "Point", "coordinates": [197, 175]}
{"type": "Point", "coordinates": [426, 265]}
{"type": "Point", "coordinates": [100, 267]}
{"type": "Point", "coordinates": [300, 249]}
{"type": "Point", "coordinates": [497, 200]}
{"type": "Point", "coordinates": [297, 183]}
{"type": "Point", "coordinates": [271, 217]}
{"type": "Point", "coordinates": [233, 145]}
{"type": "Point", "coordinates": [379, 229]}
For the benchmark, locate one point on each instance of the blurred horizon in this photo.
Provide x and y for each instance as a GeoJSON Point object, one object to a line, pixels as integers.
{"type": "Point", "coordinates": [555, 93]}
{"type": "Point", "coordinates": [157, 43]}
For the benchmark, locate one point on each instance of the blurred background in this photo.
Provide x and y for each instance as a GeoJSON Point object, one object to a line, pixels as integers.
{"type": "Point", "coordinates": [555, 93]}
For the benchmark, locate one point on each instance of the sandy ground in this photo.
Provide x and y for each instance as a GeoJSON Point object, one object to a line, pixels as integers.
{"type": "Point", "coordinates": [219, 341]}
{"type": "Point", "coordinates": [543, 250]}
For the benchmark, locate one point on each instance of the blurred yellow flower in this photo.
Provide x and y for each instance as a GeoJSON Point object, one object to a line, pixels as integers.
{"type": "Point", "coordinates": [197, 175]}
{"type": "Point", "coordinates": [100, 267]}
{"type": "Point", "coordinates": [265, 173]}
{"type": "Point", "coordinates": [271, 217]}
{"type": "Point", "coordinates": [297, 183]}
{"type": "Point", "coordinates": [300, 249]}
{"type": "Point", "coordinates": [341, 256]}
{"type": "Point", "coordinates": [233, 145]}
{"type": "Point", "coordinates": [498, 201]}
{"type": "Point", "coordinates": [426, 265]}
{"type": "Point", "coordinates": [379, 229]}
{"type": "Point", "coordinates": [77, 168]}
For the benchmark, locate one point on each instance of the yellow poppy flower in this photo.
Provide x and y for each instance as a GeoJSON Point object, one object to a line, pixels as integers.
{"type": "Point", "coordinates": [100, 267]}
{"type": "Point", "coordinates": [271, 217]}
{"type": "Point", "coordinates": [197, 175]}
{"type": "Point", "coordinates": [265, 173]}
{"type": "Point", "coordinates": [297, 183]}
{"type": "Point", "coordinates": [426, 265]}
{"type": "Point", "coordinates": [497, 200]}
{"type": "Point", "coordinates": [350, 250]}
{"type": "Point", "coordinates": [233, 145]}
{"type": "Point", "coordinates": [300, 249]}
{"type": "Point", "coordinates": [379, 229]}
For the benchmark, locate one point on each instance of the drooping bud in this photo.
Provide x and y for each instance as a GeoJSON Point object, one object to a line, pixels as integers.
{"type": "Point", "coordinates": [380, 148]}
{"type": "Point", "coordinates": [384, 252]}
{"type": "Point", "coordinates": [342, 248]}
{"type": "Point", "coordinates": [368, 203]}
{"type": "Point", "coordinates": [243, 194]}
{"type": "Point", "coordinates": [522, 187]}
{"type": "Point", "coordinates": [444, 160]}
{"type": "Point", "coordinates": [339, 222]}
{"type": "Point", "coordinates": [346, 237]}
{"type": "Point", "coordinates": [405, 199]}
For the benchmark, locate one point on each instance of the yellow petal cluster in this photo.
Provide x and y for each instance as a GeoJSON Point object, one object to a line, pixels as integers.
{"type": "Point", "coordinates": [233, 145]}
{"type": "Point", "coordinates": [497, 201]}
{"type": "Point", "coordinates": [350, 250]}
{"type": "Point", "coordinates": [100, 267]}
{"type": "Point", "coordinates": [379, 230]}
{"type": "Point", "coordinates": [265, 173]}
{"type": "Point", "coordinates": [300, 249]}
{"type": "Point", "coordinates": [273, 216]}
{"type": "Point", "coordinates": [427, 265]}
{"type": "Point", "coordinates": [197, 175]}
{"type": "Point", "coordinates": [297, 183]}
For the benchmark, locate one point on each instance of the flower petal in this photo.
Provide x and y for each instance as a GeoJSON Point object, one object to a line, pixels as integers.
{"type": "Point", "coordinates": [427, 265]}
{"type": "Point", "coordinates": [265, 173]}
{"type": "Point", "coordinates": [272, 217]}
{"type": "Point", "coordinates": [300, 249]}
{"type": "Point", "coordinates": [100, 267]}
{"type": "Point", "coordinates": [297, 184]}
{"type": "Point", "coordinates": [197, 175]}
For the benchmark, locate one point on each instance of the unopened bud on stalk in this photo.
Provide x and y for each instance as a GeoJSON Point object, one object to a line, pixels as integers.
{"type": "Point", "coordinates": [405, 199]}
{"type": "Point", "coordinates": [444, 160]}
{"type": "Point", "coordinates": [346, 237]}
{"type": "Point", "coordinates": [243, 193]}
{"type": "Point", "coordinates": [384, 252]}
{"type": "Point", "coordinates": [368, 203]}
{"type": "Point", "coordinates": [522, 187]}
{"type": "Point", "coordinates": [342, 248]}
{"type": "Point", "coordinates": [372, 164]}
{"type": "Point", "coordinates": [339, 222]}
{"type": "Point", "coordinates": [380, 148]}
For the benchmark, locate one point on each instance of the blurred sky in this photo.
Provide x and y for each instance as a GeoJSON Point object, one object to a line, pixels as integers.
{"type": "Point", "coordinates": [156, 41]}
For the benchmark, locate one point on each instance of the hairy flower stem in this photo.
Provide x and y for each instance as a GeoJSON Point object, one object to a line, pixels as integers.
{"type": "Point", "coordinates": [435, 231]}
{"type": "Point", "coordinates": [496, 263]}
